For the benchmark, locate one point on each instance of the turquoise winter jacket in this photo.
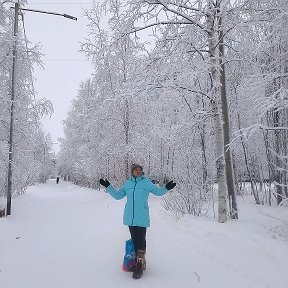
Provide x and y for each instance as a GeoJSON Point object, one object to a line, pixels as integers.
{"type": "Point", "coordinates": [137, 190]}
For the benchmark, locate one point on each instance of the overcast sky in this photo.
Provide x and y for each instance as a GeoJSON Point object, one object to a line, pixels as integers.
{"type": "Point", "coordinates": [65, 68]}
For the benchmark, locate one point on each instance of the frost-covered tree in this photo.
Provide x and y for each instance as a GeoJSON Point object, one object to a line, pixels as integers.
{"type": "Point", "coordinates": [31, 147]}
{"type": "Point", "coordinates": [182, 100]}
{"type": "Point", "coordinates": [261, 89]}
{"type": "Point", "coordinates": [203, 20]}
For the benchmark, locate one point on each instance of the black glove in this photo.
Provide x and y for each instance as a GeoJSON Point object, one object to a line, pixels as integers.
{"type": "Point", "coordinates": [104, 183]}
{"type": "Point", "coordinates": [170, 185]}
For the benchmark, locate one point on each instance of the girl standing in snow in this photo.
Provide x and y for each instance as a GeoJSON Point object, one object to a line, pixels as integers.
{"type": "Point", "coordinates": [136, 213]}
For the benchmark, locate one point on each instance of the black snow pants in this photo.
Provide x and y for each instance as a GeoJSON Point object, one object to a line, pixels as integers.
{"type": "Point", "coordinates": [138, 235]}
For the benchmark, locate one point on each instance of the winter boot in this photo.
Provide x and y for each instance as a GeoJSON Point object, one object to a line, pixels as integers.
{"type": "Point", "coordinates": [140, 264]}
{"type": "Point", "coordinates": [144, 261]}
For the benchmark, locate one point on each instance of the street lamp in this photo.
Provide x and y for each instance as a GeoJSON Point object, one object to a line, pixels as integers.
{"type": "Point", "coordinates": [51, 13]}
{"type": "Point", "coordinates": [18, 9]}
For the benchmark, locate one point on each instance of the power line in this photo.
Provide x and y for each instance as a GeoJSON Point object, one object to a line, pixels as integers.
{"type": "Point", "coordinates": [65, 60]}
{"type": "Point", "coordinates": [60, 60]}
{"type": "Point", "coordinates": [63, 3]}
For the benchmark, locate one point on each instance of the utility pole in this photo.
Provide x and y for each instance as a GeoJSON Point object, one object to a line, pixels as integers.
{"type": "Point", "coordinates": [9, 180]}
{"type": "Point", "coordinates": [44, 160]}
{"type": "Point", "coordinates": [18, 9]}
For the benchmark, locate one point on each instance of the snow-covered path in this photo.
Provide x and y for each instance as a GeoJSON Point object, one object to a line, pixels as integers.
{"type": "Point", "coordinates": [63, 236]}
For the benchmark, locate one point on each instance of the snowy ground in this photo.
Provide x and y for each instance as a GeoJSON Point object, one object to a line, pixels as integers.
{"type": "Point", "coordinates": [63, 236]}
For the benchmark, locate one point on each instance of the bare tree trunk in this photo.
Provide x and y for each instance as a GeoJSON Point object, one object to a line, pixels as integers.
{"type": "Point", "coordinates": [166, 175]}
{"type": "Point", "coordinates": [126, 128]}
{"type": "Point", "coordinates": [162, 159]}
{"type": "Point", "coordinates": [220, 164]}
{"type": "Point", "coordinates": [149, 163]}
{"type": "Point", "coordinates": [226, 128]}
{"type": "Point", "coordinates": [278, 176]}
{"type": "Point", "coordinates": [204, 156]}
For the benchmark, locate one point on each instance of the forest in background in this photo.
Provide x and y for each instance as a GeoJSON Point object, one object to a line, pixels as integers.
{"type": "Point", "coordinates": [196, 91]}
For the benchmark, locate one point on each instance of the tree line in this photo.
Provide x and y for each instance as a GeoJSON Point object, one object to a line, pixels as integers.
{"type": "Point", "coordinates": [195, 91]}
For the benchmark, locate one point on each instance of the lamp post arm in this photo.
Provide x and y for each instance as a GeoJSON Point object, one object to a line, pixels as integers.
{"type": "Point", "coordinates": [50, 13]}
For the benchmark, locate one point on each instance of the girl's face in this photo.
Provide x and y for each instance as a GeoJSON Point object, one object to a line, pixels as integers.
{"type": "Point", "coordinates": [137, 172]}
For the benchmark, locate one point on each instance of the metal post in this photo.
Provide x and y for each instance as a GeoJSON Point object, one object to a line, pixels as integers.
{"type": "Point", "coordinates": [44, 164]}
{"type": "Point", "coordinates": [9, 178]}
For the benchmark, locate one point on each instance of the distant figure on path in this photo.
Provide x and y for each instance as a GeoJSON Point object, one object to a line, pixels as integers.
{"type": "Point", "coordinates": [57, 179]}
{"type": "Point", "coordinates": [136, 213]}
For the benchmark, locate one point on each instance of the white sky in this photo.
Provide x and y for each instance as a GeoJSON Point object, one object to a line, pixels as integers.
{"type": "Point", "coordinates": [65, 67]}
